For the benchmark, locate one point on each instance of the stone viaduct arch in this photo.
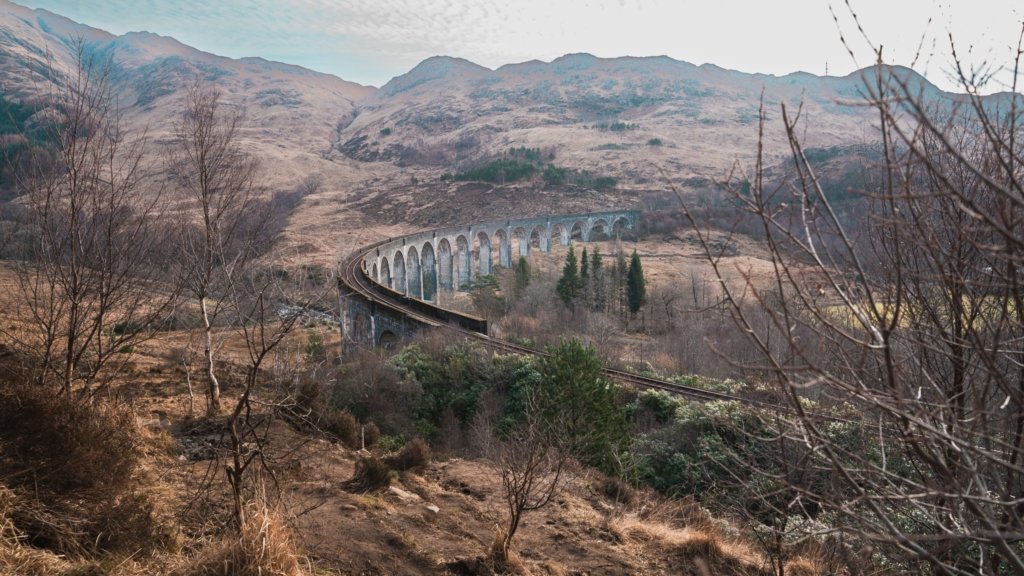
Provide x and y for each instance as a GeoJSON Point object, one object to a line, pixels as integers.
{"type": "Point", "coordinates": [422, 264]}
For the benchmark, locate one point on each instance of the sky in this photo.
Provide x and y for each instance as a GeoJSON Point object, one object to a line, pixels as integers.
{"type": "Point", "coordinates": [371, 41]}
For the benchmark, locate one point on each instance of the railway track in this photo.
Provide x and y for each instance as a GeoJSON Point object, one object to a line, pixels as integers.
{"type": "Point", "coordinates": [355, 278]}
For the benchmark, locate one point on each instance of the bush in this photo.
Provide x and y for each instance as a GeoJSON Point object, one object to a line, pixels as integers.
{"type": "Point", "coordinates": [343, 426]}
{"type": "Point", "coordinates": [450, 376]}
{"type": "Point", "coordinates": [498, 171]}
{"type": "Point", "coordinates": [371, 475]}
{"type": "Point", "coordinates": [263, 548]}
{"type": "Point", "coordinates": [370, 435]}
{"type": "Point", "coordinates": [415, 455]}
{"type": "Point", "coordinates": [74, 469]}
{"type": "Point", "coordinates": [654, 142]}
{"type": "Point", "coordinates": [388, 443]}
{"type": "Point", "coordinates": [370, 387]}
{"type": "Point", "coordinates": [580, 406]}
{"type": "Point", "coordinates": [616, 489]}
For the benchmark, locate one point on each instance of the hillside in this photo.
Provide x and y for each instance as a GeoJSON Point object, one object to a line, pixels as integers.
{"type": "Point", "coordinates": [292, 113]}
{"type": "Point", "coordinates": [381, 153]}
{"type": "Point", "coordinates": [293, 105]}
{"type": "Point", "coordinates": [622, 116]}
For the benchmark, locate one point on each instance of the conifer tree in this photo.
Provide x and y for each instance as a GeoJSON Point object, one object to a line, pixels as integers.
{"type": "Point", "coordinates": [618, 284]}
{"type": "Point", "coordinates": [580, 405]}
{"type": "Point", "coordinates": [569, 284]}
{"type": "Point", "coordinates": [636, 290]}
{"type": "Point", "coordinates": [522, 276]}
{"type": "Point", "coordinates": [597, 279]}
{"type": "Point", "coordinates": [585, 285]}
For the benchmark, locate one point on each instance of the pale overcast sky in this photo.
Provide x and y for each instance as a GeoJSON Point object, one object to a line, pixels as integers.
{"type": "Point", "coordinates": [370, 41]}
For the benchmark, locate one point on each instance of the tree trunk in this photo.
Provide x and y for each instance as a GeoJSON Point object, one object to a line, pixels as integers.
{"type": "Point", "coordinates": [213, 394]}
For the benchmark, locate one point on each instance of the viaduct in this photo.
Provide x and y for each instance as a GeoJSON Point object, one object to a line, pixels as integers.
{"type": "Point", "coordinates": [380, 284]}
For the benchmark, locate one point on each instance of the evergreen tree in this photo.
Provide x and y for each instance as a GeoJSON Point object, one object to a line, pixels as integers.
{"type": "Point", "coordinates": [597, 279]}
{"type": "Point", "coordinates": [569, 284]}
{"type": "Point", "coordinates": [580, 405]}
{"type": "Point", "coordinates": [636, 290]}
{"type": "Point", "coordinates": [522, 276]}
{"type": "Point", "coordinates": [585, 285]}
{"type": "Point", "coordinates": [618, 285]}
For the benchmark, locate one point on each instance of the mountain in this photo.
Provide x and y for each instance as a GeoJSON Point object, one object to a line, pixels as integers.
{"type": "Point", "coordinates": [290, 110]}
{"type": "Point", "coordinates": [626, 116]}
{"type": "Point", "coordinates": [382, 152]}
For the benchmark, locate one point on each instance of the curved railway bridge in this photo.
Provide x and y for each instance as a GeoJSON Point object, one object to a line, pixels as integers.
{"type": "Point", "coordinates": [387, 290]}
{"type": "Point", "coordinates": [390, 288]}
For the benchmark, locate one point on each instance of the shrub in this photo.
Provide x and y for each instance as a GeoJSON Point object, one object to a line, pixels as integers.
{"type": "Point", "coordinates": [554, 175]}
{"type": "Point", "coordinates": [579, 405]}
{"type": "Point", "coordinates": [75, 469]}
{"type": "Point", "coordinates": [450, 376]}
{"type": "Point", "coordinates": [343, 426]}
{"type": "Point", "coordinates": [388, 443]}
{"type": "Point", "coordinates": [415, 455]}
{"type": "Point", "coordinates": [263, 548]}
{"type": "Point", "coordinates": [370, 387]}
{"type": "Point", "coordinates": [654, 142]}
{"type": "Point", "coordinates": [370, 435]}
{"type": "Point", "coordinates": [498, 171]}
{"type": "Point", "coordinates": [616, 489]}
{"type": "Point", "coordinates": [371, 475]}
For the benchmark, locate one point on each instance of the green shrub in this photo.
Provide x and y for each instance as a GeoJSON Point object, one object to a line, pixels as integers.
{"type": "Point", "coordinates": [658, 405]}
{"type": "Point", "coordinates": [554, 175]}
{"type": "Point", "coordinates": [388, 443]}
{"type": "Point", "coordinates": [581, 405]}
{"type": "Point", "coordinates": [314, 350]}
{"type": "Point", "coordinates": [454, 376]}
{"type": "Point", "coordinates": [498, 171]}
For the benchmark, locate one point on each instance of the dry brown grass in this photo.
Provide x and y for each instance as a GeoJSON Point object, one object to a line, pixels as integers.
{"type": "Point", "coordinates": [616, 489]}
{"type": "Point", "coordinates": [501, 560]}
{"type": "Point", "coordinates": [263, 548]}
{"type": "Point", "coordinates": [803, 567]}
{"type": "Point", "coordinates": [700, 543]}
{"type": "Point", "coordinates": [75, 469]}
{"type": "Point", "coordinates": [15, 556]}
{"type": "Point", "coordinates": [415, 455]}
{"type": "Point", "coordinates": [371, 475]}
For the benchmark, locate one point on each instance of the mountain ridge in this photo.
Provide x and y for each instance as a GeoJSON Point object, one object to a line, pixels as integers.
{"type": "Point", "coordinates": [382, 152]}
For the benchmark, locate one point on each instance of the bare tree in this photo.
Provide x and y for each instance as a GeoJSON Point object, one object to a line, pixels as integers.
{"type": "Point", "coordinates": [266, 312]}
{"type": "Point", "coordinates": [91, 274]}
{"type": "Point", "coordinates": [218, 178]}
{"type": "Point", "coordinates": [530, 463]}
{"type": "Point", "coordinates": [915, 320]}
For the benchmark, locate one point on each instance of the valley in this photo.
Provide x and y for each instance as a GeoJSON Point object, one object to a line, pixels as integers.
{"type": "Point", "coordinates": [205, 370]}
